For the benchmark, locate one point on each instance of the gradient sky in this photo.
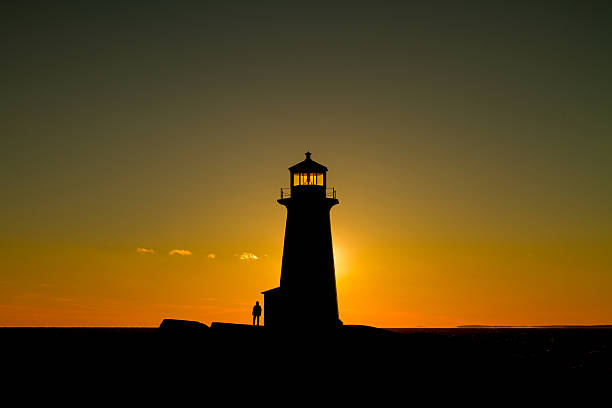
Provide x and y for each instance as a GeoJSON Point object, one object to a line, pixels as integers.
{"type": "Point", "coordinates": [470, 144]}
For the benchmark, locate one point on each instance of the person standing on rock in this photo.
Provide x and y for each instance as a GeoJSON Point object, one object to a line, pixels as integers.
{"type": "Point", "coordinates": [256, 313]}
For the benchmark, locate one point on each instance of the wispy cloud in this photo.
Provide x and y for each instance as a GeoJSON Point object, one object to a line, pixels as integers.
{"type": "Point", "coordinates": [212, 256]}
{"type": "Point", "coordinates": [180, 252]}
{"type": "Point", "coordinates": [145, 251]}
{"type": "Point", "coordinates": [248, 256]}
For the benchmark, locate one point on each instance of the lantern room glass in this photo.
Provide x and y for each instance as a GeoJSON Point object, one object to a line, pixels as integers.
{"type": "Point", "coordinates": [308, 179]}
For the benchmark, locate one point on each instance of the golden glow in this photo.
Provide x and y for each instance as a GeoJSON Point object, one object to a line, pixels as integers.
{"type": "Point", "coordinates": [341, 264]}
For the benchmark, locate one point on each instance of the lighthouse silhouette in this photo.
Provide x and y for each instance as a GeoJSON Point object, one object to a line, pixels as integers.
{"type": "Point", "coordinates": [307, 292]}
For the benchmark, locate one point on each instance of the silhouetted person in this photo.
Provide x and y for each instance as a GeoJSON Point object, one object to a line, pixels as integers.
{"type": "Point", "coordinates": [256, 313]}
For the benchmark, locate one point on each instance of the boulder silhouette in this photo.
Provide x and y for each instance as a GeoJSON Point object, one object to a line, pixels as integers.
{"type": "Point", "coordinates": [182, 325]}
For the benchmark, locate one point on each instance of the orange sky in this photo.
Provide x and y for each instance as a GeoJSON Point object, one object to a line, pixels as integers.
{"type": "Point", "coordinates": [470, 148]}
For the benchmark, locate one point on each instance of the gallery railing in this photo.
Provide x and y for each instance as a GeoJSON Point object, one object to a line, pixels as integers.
{"type": "Point", "coordinates": [285, 192]}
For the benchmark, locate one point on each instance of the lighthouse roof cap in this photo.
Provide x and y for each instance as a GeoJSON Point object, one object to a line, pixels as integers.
{"type": "Point", "coordinates": [308, 166]}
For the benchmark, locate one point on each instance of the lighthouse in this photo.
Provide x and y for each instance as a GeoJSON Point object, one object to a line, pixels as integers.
{"type": "Point", "coordinates": [307, 292]}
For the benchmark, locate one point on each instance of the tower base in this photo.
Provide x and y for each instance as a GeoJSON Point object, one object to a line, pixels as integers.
{"type": "Point", "coordinates": [286, 309]}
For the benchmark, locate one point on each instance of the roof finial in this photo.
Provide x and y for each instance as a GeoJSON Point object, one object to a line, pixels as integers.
{"type": "Point", "coordinates": [308, 155]}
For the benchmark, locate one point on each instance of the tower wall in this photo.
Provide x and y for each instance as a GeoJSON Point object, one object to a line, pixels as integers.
{"type": "Point", "coordinates": [308, 281]}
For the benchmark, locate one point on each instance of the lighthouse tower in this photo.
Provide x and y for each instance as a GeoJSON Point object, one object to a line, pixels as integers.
{"type": "Point", "coordinates": [307, 292]}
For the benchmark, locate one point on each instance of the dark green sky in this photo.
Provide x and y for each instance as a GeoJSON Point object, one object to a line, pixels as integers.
{"type": "Point", "coordinates": [172, 122]}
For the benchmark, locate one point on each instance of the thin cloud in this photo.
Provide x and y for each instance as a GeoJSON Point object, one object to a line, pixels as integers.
{"type": "Point", "coordinates": [145, 251]}
{"type": "Point", "coordinates": [180, 252]}
{"type": "Point", "coordinates": [248, 256]}
{"type": "Point", "coordinates": [212, 256]}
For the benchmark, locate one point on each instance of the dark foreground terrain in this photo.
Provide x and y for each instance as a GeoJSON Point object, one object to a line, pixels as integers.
{"type": "Point", "coordinates": [232, 354]}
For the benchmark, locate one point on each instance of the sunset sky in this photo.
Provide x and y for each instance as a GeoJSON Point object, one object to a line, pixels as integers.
{"type": "Point", "coordinates": [144, 145]}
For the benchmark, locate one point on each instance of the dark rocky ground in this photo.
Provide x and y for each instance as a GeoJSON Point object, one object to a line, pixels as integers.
{"type": "Point", "coordinates": [358, 355]}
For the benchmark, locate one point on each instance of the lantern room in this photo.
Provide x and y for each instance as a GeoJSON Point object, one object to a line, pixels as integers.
{"type": "Point", "coordinates": [307, 175]}
{"type": "Point", "coordinates": [307, 179]}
